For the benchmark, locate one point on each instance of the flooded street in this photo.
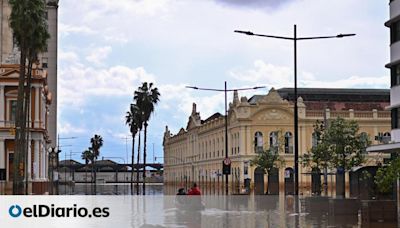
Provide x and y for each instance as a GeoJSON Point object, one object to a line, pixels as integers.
{"type": "Point", "coordinates": [233, 211]}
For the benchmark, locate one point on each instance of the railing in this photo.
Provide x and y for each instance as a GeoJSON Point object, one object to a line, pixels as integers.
{"type": "Point", "coordinates": [342, 114]}
{"type": "Point", "coordinates": [348, 114]}
{"type": "Point", "coordinates": [384, 115]}
{"type": "Point", "coordinates": [314, 113]}
{"type": "Point", "coordinates": [363, 114]}
{"type": "Point", "coordinates": [31, 124]}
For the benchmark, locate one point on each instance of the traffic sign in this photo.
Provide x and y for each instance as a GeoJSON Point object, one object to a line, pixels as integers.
{"type": "Point", "coordinates": [226, 166]}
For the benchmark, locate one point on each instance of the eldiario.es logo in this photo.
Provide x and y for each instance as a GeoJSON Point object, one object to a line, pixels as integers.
{"type": "Point", "coordinates": [42, 211]}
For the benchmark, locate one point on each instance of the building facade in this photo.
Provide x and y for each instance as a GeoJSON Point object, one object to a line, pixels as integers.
{"type": "Point", "coordinates": [392, 144]}
{"type": "Point", "coordinates": [38, 136]}
{"type": "Point", "coordinates": [48, 59]}
{"type": "Point", "coordinates": [196, 152]}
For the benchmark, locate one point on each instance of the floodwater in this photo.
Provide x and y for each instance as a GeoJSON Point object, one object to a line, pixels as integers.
{"type": "Point", "coordinates": [238, 211]}
{"type": "Point", "coordinates": [109, 189]}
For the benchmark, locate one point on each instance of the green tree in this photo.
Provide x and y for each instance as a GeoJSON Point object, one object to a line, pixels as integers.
{"type": "Point", "coordinates": [340, 146]}
{"type": "Point", "coordinates": [28, 23]}
{"type": "Point", "coordinates": [133, 120]}
{"type": "Point", "coordinates": [146, 98]}
{"type": "Point", "coordinates": [267, 160]}
{"type": "Point", "coordinates": [318, 157]}
{"type": "Point", "coordinates": [386, 176]}
{"type": "Point", "coordinates": [97, 143]}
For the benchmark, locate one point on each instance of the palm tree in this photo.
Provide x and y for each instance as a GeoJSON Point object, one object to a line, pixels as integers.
{"type": "Point", "coordinates": [97, 143]}
{"type": "Point", "coordinates": [133, 120]}
{"type": "Point", "coordinates": [146, 98]}
{"type": "Point", "coordinates": [28, 23]}
{"type": "Point", "coordinates": [87, 155]}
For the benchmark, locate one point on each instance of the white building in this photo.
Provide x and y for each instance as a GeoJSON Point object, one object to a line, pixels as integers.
{"type": "Point", "coordinates": [392, 143]}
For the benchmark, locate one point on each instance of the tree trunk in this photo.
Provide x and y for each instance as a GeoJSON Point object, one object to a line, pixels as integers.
{"type": "Point", "coordinates": [326, 181]}
{"type": "Point", "coordinates": [20, 124]}
{"type": "Point", "coordinates": [95, 177]}
{"type": "Point", "coordinates": [144, 158]}
{"type": "Point", "coordinates": [27, 115]}
{"type": "Point", "coordinates": [133, 162]}
{"type": "Point", "coordinates": [137, 166]}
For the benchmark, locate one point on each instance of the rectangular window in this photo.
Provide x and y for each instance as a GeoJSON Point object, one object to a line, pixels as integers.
{"type": "Point", "coordinates": [13, 110]}
{"type": "Point", "coordinates": [395, 32]}
{"type": "Point", "coordinates": [395, 118]}
{"type": "Point", "coordinates": [45, 62]}
{"type": "Point", "coordinates": [395, 75]}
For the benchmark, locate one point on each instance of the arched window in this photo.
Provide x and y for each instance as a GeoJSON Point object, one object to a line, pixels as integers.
{"type": "Point", "coordinates": [288, 143]}
{"type": "Point", "coordinates": [258, 142]}
{"type": "Point", "coordinates": [386, 137]}
{"type": "Point", "coordinates": [273, 141]}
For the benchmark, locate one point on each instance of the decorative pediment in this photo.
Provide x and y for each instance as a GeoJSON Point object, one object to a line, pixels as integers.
{"type": "Point", "coordinates": [10, 73]}
{"type": "Point", "coordinates": [273, 114]}
{"type": "Point", "coordinates": [272, 97]}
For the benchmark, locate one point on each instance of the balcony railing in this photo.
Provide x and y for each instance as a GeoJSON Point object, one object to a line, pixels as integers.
{"type": "Point", "coordinates": [31, 124]}
{"type": "Point", "coordinates": [373, 114]}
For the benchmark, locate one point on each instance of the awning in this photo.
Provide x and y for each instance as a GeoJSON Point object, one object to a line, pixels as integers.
{"type": "Point", "coordinates": [384, 148]}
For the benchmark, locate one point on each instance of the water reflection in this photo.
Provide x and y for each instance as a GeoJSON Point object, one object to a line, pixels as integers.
{"type": "Point", "coordinates": [109, 189]}
{"type": "Point", "coordinates": [163, 209]}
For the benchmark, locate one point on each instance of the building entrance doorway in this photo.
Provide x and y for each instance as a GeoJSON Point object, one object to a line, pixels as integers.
{"type": "Point", "coordinates": [259, 181]}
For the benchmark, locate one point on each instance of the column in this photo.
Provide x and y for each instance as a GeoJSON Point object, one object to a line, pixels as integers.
{"type": "Point", "coordinates": [2, 154]}
{"type": "Point", "coordinates": [36, 160]}
{"type": "Point", "coordinates": [37, 100]}
{"type": "Point", "coordinates": [29, 160]}
{"type": "Point", "coordinates": [43, 161]}
{"type": "Point", "coordinates": [2, 102]}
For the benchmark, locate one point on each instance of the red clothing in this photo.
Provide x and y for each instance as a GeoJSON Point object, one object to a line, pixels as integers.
{"type": "Point", "coordinates": [194, 191]}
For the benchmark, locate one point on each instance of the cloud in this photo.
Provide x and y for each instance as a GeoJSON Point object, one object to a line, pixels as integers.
{"type": "Point", "coordinates": [65, 128]}
{"type": "Point", "coordinates": [281, 76]}
{"type": "Point", "coordinates": [67, 56]}
{"type": "Point", "coordinates": [79, 83]}
{"type": "Point", "coordinates": [97, 55]}
{"type": "Point", "coordinates": [67, 29]}
{"type": "Point", "coordinates": [254, 3]}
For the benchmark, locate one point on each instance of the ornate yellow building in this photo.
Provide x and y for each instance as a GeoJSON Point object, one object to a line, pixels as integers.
{"type": "Point", "coordinates": [196, 153]}
{"type": "Point", "coordinates": [37, 167]}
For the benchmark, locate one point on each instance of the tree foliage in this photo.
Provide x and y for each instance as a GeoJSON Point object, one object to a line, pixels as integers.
{"type": "Point", "coordinates": [28, 22]}
{"type": "Point", "coordinates": [146, 97]}
{"type": "Point", "coordinates": [268, 157]}
{"type": "Point", "coordinates": [340, 145]}
{"type": "Point", "coordinates": [267, 160]}
{"type": "Point", "coordinates": [386, 176]}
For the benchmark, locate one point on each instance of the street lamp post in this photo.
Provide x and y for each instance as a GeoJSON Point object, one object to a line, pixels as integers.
{"type": "Point", "coordinates": [225, 90]}
{"type": "Point", "coordinates": [296, 119]}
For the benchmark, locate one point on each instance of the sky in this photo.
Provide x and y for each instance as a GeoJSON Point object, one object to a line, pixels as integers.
{"type": "Point", "coordinates": [108, 48]}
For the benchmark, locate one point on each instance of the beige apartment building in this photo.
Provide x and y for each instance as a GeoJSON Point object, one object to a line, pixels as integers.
{"type": "Point", "coordinates": [196, 152]}
{"type": "Point", "coordinates": [43, 116]}
{"type": "Point", "coordinates": [38, 141]}
{"type": "Point", "coordinates": [48, 59]}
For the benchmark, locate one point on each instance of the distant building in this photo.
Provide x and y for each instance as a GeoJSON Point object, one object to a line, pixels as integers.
{"type": "Point", "coordinates": [107, 172]}
{"type": "Point", "coordinates": [196, 152]}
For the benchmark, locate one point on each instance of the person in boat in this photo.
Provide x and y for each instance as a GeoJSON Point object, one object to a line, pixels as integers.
{"type": "Point", "coordinates": [194, 191]}
{"type": "Point", "coordinates": [181, 191]}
